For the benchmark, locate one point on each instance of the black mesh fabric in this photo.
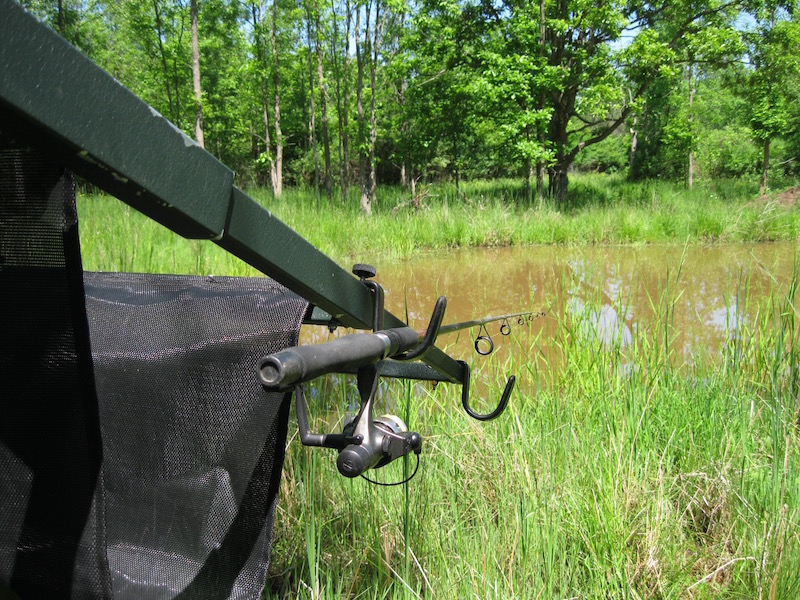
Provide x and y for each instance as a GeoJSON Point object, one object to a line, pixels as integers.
{"type": "Point", "coordinates": [51, 534]}
{"type": "Point", "coordinates": [193, 444]}
{"type": "Point", "coordinates": [139, 455]}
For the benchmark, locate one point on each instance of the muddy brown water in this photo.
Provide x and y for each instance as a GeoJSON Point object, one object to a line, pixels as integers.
{"type": "Point", "coordinates": [603, 294]}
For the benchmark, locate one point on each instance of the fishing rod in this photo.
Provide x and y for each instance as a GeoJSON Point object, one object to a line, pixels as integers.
{"type": "Point", "coordinates": [367, 442]}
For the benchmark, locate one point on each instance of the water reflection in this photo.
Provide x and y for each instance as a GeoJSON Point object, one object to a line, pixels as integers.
{"type": "Point", "coordinates": [603, 325]}
{"type": "Point", "coordinates": [604, 294]}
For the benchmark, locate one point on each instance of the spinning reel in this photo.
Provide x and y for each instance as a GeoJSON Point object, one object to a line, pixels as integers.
{"type": "Point", "coordinates": [367, 442]}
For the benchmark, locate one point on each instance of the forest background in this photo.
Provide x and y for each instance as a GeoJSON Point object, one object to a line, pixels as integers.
{"type": "Point", "coordinates": [338, 96]}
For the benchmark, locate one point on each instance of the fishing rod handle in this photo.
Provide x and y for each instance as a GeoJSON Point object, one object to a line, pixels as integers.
{"type": "Point", "coordinates": [304, 363]}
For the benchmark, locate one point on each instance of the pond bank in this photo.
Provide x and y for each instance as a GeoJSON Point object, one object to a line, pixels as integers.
{"type": "Point", "coordinates": [604, 210]}
{"type": "Point", "coordinates": [633, 214]}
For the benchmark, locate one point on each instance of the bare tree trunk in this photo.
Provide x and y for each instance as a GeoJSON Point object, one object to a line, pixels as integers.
{"type": "Point", "coordinates": [177, 66]}
{"type": "Point", "coordinates": [159, 37]}
{"type": "Point", "coordinates": [691, 125]}
{"type": "Point", "coordinates": [373, 118]}
{"type": "Point", "coordinates": [277, 170]}
{"type": "Point", "coordinates": [404, 179]}
{"type": "Point", "coordinates": [558, 173]}
{"type": "Point", "coordinates": [528, 168]}
{"type": "Point", "coordinates": [634, 134]}
{"type": "Point", "coordinates": [404, 174]}
{"type": "Point", "coordinates": [198, 91]}
{"type": "Point", "coordinates": [341, 71]}
{"type": "Point", "coordinates": [257, 23]}
{"type": "Point", "coordinates": [456, 172]}
{"type": "Point", "coordinates": [346, 111]}
{"type": "Point", "coordinates": [559, 183]}
{"type": "Point", "coordinates": [312, 109]}
{"type": "Point", "coordinates": [61, 23]}
{"type": "Point", "coordinates": [540, 164]}
{"type": "Point", "coordinates": [323, 106]}
{"type": "Point", "coordinates": [765, 168]}
{"type": "Point", "coordinates": [362, 156]}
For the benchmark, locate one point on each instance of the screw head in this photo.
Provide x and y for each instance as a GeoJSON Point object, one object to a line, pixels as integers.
{"type": "Point", "coordinates": [364, 271]}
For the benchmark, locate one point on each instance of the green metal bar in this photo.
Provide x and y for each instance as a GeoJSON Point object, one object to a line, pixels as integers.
{"type": "Point", "coordinates": [55, 98]}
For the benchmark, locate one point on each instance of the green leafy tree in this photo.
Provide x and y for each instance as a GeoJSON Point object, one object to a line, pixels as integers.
{"type": "Point", "coordinates": [768, 81]}
{"type": "Point", "coordinates": [560, 70]}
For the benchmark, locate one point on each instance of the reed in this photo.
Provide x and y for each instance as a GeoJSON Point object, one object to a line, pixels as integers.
{"type": "Point", "coordinates": [619, 472]}
{"type": "Point", "coordinates": [602, 210]}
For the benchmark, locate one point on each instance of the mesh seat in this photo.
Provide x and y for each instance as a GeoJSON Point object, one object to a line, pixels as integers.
{"type": "Point", "coordinates": [139, 456]}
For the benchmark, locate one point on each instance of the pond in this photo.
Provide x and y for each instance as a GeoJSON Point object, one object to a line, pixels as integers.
{"type": "Point", "coordinates": [611, 291]}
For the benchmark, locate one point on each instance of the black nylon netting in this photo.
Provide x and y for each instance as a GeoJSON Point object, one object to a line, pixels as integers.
{"type": "Point", "coordinates": [193, 445]}
{"type": "Point", "coordinates": [148, 466]}
{"type": "Point", "coordinates": [51, 533]}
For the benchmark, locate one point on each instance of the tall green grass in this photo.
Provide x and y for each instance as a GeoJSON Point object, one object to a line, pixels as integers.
{"type": "Point", "coordinates": [601, 210]}
{"type": "Point", "coordinates": [616, 472]}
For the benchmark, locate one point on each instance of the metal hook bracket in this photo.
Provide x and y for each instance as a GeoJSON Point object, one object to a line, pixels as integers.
{"type": "Point", "coordinates": [430, 334]}
{"type": "Point", "coordinates": [465, 389]}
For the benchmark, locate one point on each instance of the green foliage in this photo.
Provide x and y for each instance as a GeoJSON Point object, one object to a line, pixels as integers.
{"type": "Point", "coordinates": [465, 89]}
{"type": "Point", "coordinates": [774, 53]}
{"type": "Point", "coordinates": [609, 156]}
{"type": "Point", "coordinates": [663, 133]}
{"type": "Point", "coordinates": [727, 152]}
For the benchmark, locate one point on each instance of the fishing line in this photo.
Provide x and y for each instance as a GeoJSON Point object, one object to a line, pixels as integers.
{"type": "Point", "coordinates": [396, 483]}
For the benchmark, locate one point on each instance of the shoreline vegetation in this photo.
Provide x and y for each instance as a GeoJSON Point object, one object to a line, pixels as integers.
{"type": "Point", "coordinates": [615, 473]}
{"type": "Point", "coordinates": [603, 209]}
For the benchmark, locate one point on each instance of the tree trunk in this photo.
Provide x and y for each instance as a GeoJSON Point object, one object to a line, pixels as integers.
{"type": "Point", "coordinates": [691, 125]}
{"type": "Point", "coordinates": [61, 25]}
{"type": "Point", "coordinates": [528, 168]}
{"type": "Point", "coordinates": [337, 77]}
{"type": "Point", "coordinates": [312, 109]}
{"type": "Point", "coordinates": [558, 180]}
{"type": "Point", "coordinates": [362, 157]}
{"type": "Point", "coordinates": [765, 168]}
{"type": "Point", "coordinates": [540, 171]}
{"type": "Point", "coordinates": [277, 171]}
{"type": "Point", "coordinates": [404, 175]}
{"type": "Point", "coordinates": [346, 112]}
{"type": "Point", "coordinates": [540, 165]}
{"type": "Point", "coordinates": [373, 117]}
{"type": "Point", "coordinates": [159, 37]}
{"type": "Point", "coordinates": [261, 53]}
{"type": "Point", "coordinates": [634, 135]}
{"type": "Point", "coordinates": [323, 105]}
{"type": "Point", "coordinates": [339, 74]}
{"type": "Point", "coordinates": [456, 173]}
{"type": "Point", "coordinates": [198, 91]}
{"type": "Point", "coordinates": [559, 183]}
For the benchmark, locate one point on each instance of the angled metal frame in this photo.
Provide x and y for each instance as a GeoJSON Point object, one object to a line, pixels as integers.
{"type": "Point", "coordinates": [54, 98]}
